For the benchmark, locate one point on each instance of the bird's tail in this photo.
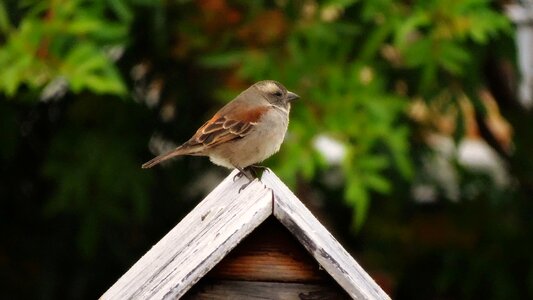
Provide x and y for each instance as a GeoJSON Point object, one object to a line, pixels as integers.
{"type": "Point", "coordinates": [156, 160]}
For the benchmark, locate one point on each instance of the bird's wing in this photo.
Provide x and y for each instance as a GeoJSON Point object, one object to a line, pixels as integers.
{"type": "Point", "coordinates": [227, 127]}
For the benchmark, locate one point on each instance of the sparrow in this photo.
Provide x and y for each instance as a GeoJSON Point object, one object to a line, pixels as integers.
{"type": "Point", "coordinates": [244, 132]}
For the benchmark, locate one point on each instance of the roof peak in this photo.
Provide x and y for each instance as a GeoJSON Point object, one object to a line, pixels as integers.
{"type": "Point", "coordinates": [218, 223]}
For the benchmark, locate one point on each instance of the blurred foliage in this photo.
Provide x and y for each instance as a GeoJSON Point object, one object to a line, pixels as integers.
{"type": "Point", "coordinates": [331, 55]}
{"type": "Point", "coordinates": [79, 210]}
{"type": "Point", "coordinates": [57, 41]}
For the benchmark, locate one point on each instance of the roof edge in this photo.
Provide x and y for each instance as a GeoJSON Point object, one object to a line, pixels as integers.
{"type": "Point", "coordinates": [319, 242]}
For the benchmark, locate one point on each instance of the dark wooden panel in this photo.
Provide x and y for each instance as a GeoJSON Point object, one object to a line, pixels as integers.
{"type": "Point", "coordinates": [235, 290]}
{"type": "Point", "coordinates": [270, 253]}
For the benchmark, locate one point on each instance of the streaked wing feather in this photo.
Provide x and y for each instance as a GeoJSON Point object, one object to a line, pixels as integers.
{"type": "Point", "coordinates": [229, 123]}
{"type": "Point", "coordinates": [244, 131]}
{"type": "Point", "coordinates": [220, 131]}
{"type": "Point", "coordinates": [210, 127]}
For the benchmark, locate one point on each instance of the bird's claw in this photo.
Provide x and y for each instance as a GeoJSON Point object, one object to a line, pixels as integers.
{"type": "Point", "coordinates": [238, 176]}
{"type": "Point", "coordinates": [245, 186]}
{"type": "Point", "coordinates": [253, 169]}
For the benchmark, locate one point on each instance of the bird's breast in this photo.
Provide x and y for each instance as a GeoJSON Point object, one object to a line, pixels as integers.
{"type": "Point", "coordinates": [270, 132]}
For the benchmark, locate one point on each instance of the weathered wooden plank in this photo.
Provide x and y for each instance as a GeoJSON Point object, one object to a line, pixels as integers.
{"type": "Point", "coordinates": [270, 253]}
{"type": "Point", "coordinates": [237, 290]}
{"type": "Point", "coordinates": [197, 243]}
{"type": "Point", "coordinates": [320, 243]}
{"type": "Point", "coordinates": [218, 224]}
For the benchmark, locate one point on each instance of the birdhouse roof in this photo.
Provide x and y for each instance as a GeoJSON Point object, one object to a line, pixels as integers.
{"type": "Point", "coordinates": [222, 220]}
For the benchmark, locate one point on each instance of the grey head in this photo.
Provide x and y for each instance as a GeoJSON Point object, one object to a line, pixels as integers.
{"type": "Point", "coordinates": [276, 93]}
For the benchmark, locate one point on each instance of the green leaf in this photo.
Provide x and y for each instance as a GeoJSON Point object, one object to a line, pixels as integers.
{"type": "Point", "coordinates": [452, 57]}
{"type": "Point", "coordinates": [374, 162]}
{"type": "Point", "coordinates": [378, 183]}
{"type": "Point", "coordinates": [108, 84]}
{"type": "Point", "coordinates": [122, 10]}
{"type": "Point", "coordinates": [5, 23]}
{"type": "Point", "coordinates": [357, 195]}
{"type": "Point", "coordinates": [85, 25]}
{"type": "Point", "coordinates": [86, 67]}
{"type": "Point", "coordinates": [340, 3]}
{"type": "Point", "coordinates": [406, 29]}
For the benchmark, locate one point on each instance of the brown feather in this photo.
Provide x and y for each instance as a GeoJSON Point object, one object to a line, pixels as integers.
{"type": "Point", "coordinates": [249, 116]}
{"type": "Point", "coordinates": [156, 160]}
{"type": "Point", "coordinates": [223, 127]}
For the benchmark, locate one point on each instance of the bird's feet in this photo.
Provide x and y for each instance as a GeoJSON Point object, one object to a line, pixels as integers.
{"type": "Point", "coordinates": [251, 173]}
{"type": "Point", "coordinates": [257, 170]}
{"type": "Point", "coordinates": [244, 186]}
{"type": "Point", "coordinates": [242, 172]}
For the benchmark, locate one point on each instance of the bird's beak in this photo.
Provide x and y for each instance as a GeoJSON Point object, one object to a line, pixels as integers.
{"type": "Point", "coordinates": [292, 96]}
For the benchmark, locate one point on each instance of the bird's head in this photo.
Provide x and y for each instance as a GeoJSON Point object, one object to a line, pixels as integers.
{"type": "Point", "coordinates": [276, 93]}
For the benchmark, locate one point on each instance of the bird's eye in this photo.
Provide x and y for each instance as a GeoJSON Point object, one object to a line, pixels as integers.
{"type": "Point", "coordinates": [277, 94]}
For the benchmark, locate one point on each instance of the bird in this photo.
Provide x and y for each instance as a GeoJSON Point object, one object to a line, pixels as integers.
{"type": "Point", "coordinates": [243, 133]}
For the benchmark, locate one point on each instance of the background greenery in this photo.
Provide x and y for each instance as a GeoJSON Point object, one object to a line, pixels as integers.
{"type": "Point", "coordinates": [91, 89]}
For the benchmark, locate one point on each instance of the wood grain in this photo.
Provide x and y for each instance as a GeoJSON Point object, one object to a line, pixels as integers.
{"type": "Point", "coordinates": [197, 243]}
{"type": "Point", "coordinates": [224, 219]}
{"type": "Point", "coordinates": [237, 290]}
{"type": "Point", "coordinates": [270, 253]}
{"type": "Point", "coordinates": [292, 213]}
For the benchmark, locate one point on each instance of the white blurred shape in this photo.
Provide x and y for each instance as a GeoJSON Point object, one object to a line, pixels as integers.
{"type": "Point", "coordinates": [114, 52]}
{"type": "Point", "coordinates": [440, 173]}
{"type": "Point", "coordinates": [477, 155]}
{"type": "Point", "coordinates": [440, 166]}
{"type": "Point", "coordinates": [424, 193]}
{"type": "Point", "coordinates": [55, 89]}
{"type": "Point", "coordinates": [521, 13]}
{"type": "Point", "coordinates": [332, 150]}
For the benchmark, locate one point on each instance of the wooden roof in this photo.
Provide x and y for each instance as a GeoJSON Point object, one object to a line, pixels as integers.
{"type": "Point", "coordinates": [270, 263]}
{"type": "Point", "coordinates": [224, 218]}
